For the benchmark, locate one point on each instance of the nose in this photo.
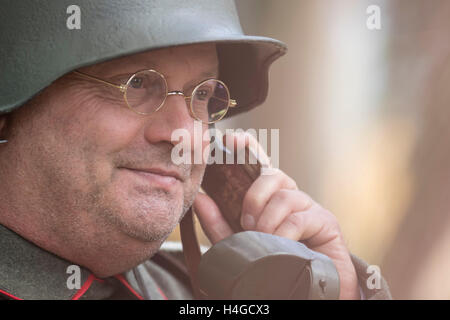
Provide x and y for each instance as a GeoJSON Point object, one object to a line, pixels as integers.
{"type": "Point", "coordinates": [173, 115]}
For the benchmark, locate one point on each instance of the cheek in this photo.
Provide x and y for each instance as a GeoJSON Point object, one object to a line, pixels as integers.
{"type": "Point", "coordinates": [99, 124]}
{"type": "Point", "coordinates": [91, 131]}
{"type": "Point", "coordinates": [194, 184]}
{"type": "Point", "coordinates": [198, 170]}
{"type": "Point", "coordinates": [113, 131]}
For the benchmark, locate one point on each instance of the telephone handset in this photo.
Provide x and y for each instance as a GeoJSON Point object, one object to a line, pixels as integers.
{"type": "Point", "coordinates": [250, 264]}
{"type": "Point", "coordinates": [227, 184]}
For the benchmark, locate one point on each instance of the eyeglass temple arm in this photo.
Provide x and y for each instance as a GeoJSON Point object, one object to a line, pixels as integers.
{"type": "Point", "coordinates": [120, 87]}
{"type": "Point", "coordinates": [232, 104]}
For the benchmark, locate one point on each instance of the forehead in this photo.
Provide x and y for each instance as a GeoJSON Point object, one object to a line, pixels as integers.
{"type": "Point", "coordinates": [198, 58]}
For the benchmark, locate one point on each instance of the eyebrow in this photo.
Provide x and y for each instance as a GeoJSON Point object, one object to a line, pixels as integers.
{"type": "Point", "coordinates": [202, 76]}
{"type": "Point", "coordinates": [210, 74]}
{"type": "Point", "coordinates": [137, 65]}
{"type": "Point", "coordinates": [205, 75]}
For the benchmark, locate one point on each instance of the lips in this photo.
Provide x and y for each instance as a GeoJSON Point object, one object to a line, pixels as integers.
{"type": "Point", "coordinates": [158, 177]}
{"type": "Point", "coordinates": [161, 172]}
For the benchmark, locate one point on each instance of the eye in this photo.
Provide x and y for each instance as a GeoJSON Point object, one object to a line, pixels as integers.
{"type": "Point", "coordinates": [137, 82]}
{"type": "Point", "coordinates": [203, 93]}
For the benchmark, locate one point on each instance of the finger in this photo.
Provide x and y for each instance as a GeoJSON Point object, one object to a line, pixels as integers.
{"type": "Point", "coordinates": [259, 194]}
{"type": "Point", "coordinates": [315, 226]}
{"type": "Point", "coordinates": [211, 219]}
{"type": "Point", "coordinates": [282, 203]}
{"type": "Point", "coordinates": [237, 141]}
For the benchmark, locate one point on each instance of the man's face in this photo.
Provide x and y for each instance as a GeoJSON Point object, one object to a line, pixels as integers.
{"type": "Point", "coordinates": [87, 153]}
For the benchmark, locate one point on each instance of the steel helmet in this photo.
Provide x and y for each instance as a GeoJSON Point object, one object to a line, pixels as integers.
{"type": "Point", "coordinates": [37, 47]}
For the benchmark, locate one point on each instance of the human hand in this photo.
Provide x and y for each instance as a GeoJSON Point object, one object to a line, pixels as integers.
{"type": "Point", "coordinates": [275, 205]}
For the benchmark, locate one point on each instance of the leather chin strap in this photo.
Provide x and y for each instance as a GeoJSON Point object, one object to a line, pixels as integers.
{"type": "Point", "coordinates": [191, 247]}
{"type": "Point", "coordinates": [191, 251]}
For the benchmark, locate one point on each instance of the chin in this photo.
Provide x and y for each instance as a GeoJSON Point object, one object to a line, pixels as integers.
{"type": "Point", "coordinates": [154, 222]}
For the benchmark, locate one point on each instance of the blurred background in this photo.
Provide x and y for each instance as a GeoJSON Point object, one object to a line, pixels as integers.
{"type": "Point", "coordinates": [364, 119]}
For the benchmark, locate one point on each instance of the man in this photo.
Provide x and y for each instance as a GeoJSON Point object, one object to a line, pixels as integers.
{"type": "Point", "coordinates": [86, 170]}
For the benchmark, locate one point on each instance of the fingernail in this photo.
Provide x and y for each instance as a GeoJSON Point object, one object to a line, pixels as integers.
{"type": "Point", "coordinates": [248, 222]}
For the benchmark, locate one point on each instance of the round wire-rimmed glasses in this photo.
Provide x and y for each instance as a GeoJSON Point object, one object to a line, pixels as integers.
{"type": "Point", "coordinates": [146, 91]}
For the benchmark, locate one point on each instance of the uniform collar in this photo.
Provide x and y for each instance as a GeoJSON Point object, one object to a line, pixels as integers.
{"type": "Point", "coordinates": [32, 273]}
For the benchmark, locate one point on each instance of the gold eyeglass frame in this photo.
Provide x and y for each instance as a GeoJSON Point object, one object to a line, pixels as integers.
{"type": "Point", "coordinates": [124, 87]}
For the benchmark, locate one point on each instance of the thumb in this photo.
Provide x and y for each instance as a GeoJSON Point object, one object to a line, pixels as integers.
{"type": "Point", "coordinates": [211, 219]}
